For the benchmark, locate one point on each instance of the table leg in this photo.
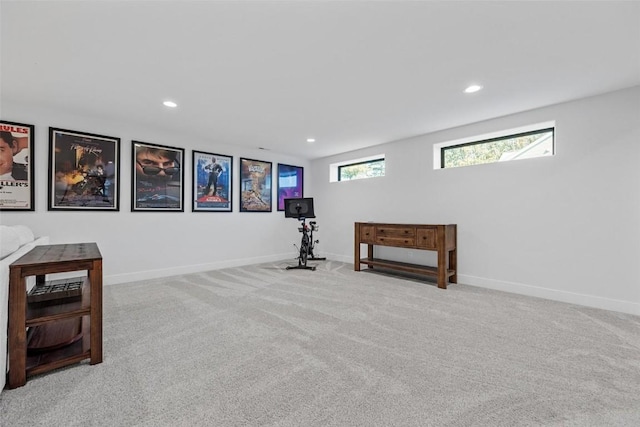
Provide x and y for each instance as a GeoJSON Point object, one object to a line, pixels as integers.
{"type": "Point", "coordinates": [95, 277]}
{"type": "Point", "coordinates": [442, 269]}
{"type": "Point", "coordinates": [356, 249]}
{"type": "Point", "coordinates": [370, 254]}
{"type": "Point", "coordinates": [453, 265]}
{"type": "Point", "coordinates": [17, 331]}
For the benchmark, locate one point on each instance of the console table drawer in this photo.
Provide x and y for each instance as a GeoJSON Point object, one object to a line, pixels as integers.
{"type": "Point", "coordinates": [367, 234]}
{"type": "Point", "coordinates": [399, 232]}
{"type": "Point", "coordinates": [427, 238]}
{"type": "Point", "coordinates": [396, 241]}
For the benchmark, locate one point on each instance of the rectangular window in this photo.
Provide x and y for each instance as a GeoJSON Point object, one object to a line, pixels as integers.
{"type": "Point", "coordinates": [366, 169]}
{"type": "Point", "coordinates": [514, 146]}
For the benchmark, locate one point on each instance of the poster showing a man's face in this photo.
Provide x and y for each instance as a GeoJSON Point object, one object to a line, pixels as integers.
{"type": "Point", "coordinates": [16, 174]}
{"type": "Point", "coordinates": [6, 154]}
{"type": "Point", "coordinates": [158, 178]}
{"type": "Point", "coordinates": [156, 163]}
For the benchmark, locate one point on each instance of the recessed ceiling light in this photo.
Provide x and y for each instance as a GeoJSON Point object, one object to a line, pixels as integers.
{"type": "Point", "coordinates": [472, 88]}
{"type": "Point", "coordinates": [311, 140]}
{"type": "Point", "coordinates": [170, 104]}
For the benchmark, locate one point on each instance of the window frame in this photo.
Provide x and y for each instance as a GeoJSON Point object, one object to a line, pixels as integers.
{"type": "Point", "coordinates": [440, 148]}
{"type": "Point", "coordinates": [358, 163]}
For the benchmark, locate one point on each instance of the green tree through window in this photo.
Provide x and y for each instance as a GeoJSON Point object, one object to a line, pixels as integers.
{"type": "Point", "coordinates": [521, 146]}
{"type": "Point", "coordinates": [368, 169]}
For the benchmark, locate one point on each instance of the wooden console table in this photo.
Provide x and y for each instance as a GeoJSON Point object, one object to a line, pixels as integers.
{"type": "Point", "coordinates": [440, 238]}
{"type": "Point", "coordinates": [46, 326]}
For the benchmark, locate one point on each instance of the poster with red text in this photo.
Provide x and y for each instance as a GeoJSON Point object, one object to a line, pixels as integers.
{"type": "Point", "coordinates": [16, 167]}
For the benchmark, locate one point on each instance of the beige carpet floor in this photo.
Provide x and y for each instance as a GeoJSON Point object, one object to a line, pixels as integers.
{"type": "Point", "coordinates": [262, 346]}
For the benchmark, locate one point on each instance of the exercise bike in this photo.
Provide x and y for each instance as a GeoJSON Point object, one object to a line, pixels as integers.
{"type": "Point", "coordinates": [305, 248]}
{"type": "Point", "coordinates": [301, 209]}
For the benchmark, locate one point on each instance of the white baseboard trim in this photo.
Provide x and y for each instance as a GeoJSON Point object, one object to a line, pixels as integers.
{"type": "Point", "coordinates": [498, 285]}
{"type": "Point", "coordinates": [539, 292]}
{"type": "Point", "coordinates": [188, 269]}
{"type": "Point", "coordinates": [552, 294]}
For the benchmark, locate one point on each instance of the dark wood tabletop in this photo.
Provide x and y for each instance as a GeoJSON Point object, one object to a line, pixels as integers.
{"type": "Point", "coordinates": [59, 253]}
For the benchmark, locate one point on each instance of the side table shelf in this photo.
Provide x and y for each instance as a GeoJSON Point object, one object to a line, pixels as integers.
{"type": "Point", "coordinates": [51, 334]}
{"type": "Point", "coordinates": [61, 353]}
{"type": "Point", "coordinates": [47, 311]}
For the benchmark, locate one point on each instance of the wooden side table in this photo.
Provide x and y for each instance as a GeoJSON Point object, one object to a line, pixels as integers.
{"type": "Point", "coordinates": [42, 323]}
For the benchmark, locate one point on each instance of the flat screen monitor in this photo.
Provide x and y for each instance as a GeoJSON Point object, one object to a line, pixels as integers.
{"type": "Point", "coordinates": [299, 208]}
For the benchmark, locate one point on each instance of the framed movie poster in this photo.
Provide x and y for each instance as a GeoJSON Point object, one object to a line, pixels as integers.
{"type": "Point", "coordinates": [289, 183]}
{"type": "Point", "coordinates": [211, 182]}
{"type": "Point", "coordinates": [255, 186]}
{"type": "Point", "coordinates": [157, 182]}
{"type": "Point", "coordinates": [84, 171]}
{"type": "Point", "coordinates": [16, 167]}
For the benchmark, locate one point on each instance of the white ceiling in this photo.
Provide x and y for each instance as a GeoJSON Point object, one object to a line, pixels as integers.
{"type": "Point", "coordinates": [350, 74]}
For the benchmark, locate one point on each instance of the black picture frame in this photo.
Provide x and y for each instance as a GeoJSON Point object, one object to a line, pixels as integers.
{"type": "Point", "coordinates": [290, 183]}
{"type": "Point", "coordinates": [157, 178]}
{"type": "Point", "coordinates": [255, 185]}
{"type": "Point", "coordinates": [84, 171]}
{"type": "Point", "coordinates": [17, 187]}
{"type": "Point", "coordinates": [212, 189]}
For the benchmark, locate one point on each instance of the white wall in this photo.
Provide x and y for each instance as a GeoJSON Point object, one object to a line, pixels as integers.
{"type": "Point", "coordinates": [140, 245]}
{"type": "Point", "coordinates": [565, 227]}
